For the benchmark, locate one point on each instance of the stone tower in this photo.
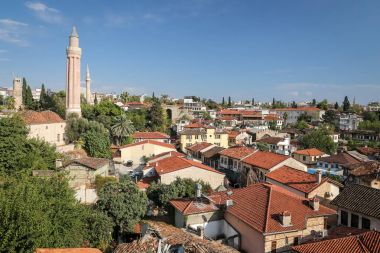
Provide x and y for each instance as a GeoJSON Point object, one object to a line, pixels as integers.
{"type": "Point", "coordinates": [74, 53]}
{"type": "Point", "coordinates": [88, 86]}
{"type": "Point", "coordinates": [17, 92]}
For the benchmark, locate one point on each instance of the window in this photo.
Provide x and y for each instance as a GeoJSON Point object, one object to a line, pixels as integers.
{"type": "Point", "coordinates": [366, 223]}
{"type": "Point", "coordinates": [273, 247]}
{"type": "Point", "coordinates": [343, 218]}
{"type": "Point", "coordinates": [297, 240]}
{"type": "Point", "coordinates": [217, 136]}
{"type": "Point", "coordinates": [196, 137]}
{"type": "Point", "coordinates": [47, 127]}
{"type": "Point", "coordinates": [354, 220]}
{"type": "Point", "coordinates": [304, 158]}
{"type": "Point", "coordinates": [58, 137]}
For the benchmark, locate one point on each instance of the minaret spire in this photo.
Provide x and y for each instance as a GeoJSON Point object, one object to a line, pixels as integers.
{"type": "Point", "coordinates": [88, 86]}
{"type": "Point", "coordinates": [74, 53]}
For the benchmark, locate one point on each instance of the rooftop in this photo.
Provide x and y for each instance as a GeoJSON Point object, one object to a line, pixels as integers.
{"type": "Point", "coordinates": [296, 179]}
{"type": "Point", "coordinates": [360, 199]}
{"type": "Point", "coordinates": [309, 152]}
{"type": "Point", "coordinates": [341, 158]}
{"type": "Point", "coordinates": [199, 146]}
{"type": "Point", "coordinates": [152, 142]}
{"type": "Point", "coordinates": [150, 135]}
{"type": "Point", "coordinates": [265, 160]}
{"type": "Point", "coordinates": [363, 243]}
{"type": "Point", "coordinates": [44, 117]}
{"type": "Point", "coordinates": [175, 163]}
{"type": "Point", "coordinates": [212, 152]}
{"type": "Point", "coordinates": [237, 152]}
{"type": "Point", "coordinates": [90, 162]}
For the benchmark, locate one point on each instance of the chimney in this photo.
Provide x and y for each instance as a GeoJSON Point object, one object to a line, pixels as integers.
{"type": "Point", "coordinates": [198, 190]}
{"type": "Point", "coordinates": [229, 202]}
{"type": "Point", "coordinates": [318, 173]}
{"type": "Point", "coordinates": [58, 163]}
{"type": "Point", "coordinates": [314, 203]}
{"type": "Point", "coordinates": [286, 218]}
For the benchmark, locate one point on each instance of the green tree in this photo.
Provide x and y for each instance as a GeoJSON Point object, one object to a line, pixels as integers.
{"type": "Point", "coordinates": [57, 103]}
{"type": "Point", "coordinates": [39, 212]}
{"type": "Point", "coordinates": [24, 88]}
{"type": "Point", "coordinates": [124, 97]}
{"type": "Point", "coordinates": [304, 117]}
{"type": "Point", "coordinates": [371, 116]}
{"type": "Point", "coordinates": [262, 146]}
{"type": "Point", "coordinates": [138, 118]}
{"type": "Point", "coordinates": [368, 125]}
{"type": "Point", "coordinates": [76, 127]}
{"type": "Point", "coordinates": [331, 117]}
{"type": "Point", "coordinates": [253, 101]}
{"type": "Point", "coordinates": [161, 194]}
{"type": "Point", "coordinates": [223, 101]}
{"type": "Point", "coordinates": [97, 144]}
{"type": "Point", "coordinates": [324, 105]}
{"type": "Point", "coordinates": [124, 203]}
{"type": "Point", "coordinates": [10, 103]}
{"type": "Point", "coordinates": [314, 103]}
{"type": "Point", "coordinates": [18, 153]}
{"type": "Point", "coordinates": [43, 97]}
{"type": "Point", "coordinates": [229, 101]}
{"type": "Point", "coordinates": [346, 104]}
{"type": "Point", "coordinates": [320, 139]}
{"type": "Point", "coordinates": [99, 229]}
{"type": "Point", "coordinates": [336, 106]}
{"type": "Point", "coordinates": [156, 117]}
{"type": "Point", "coordinates": [29, 98]}
{"type": "Point", "coordinates": [301, 125]}
{"type": "Point", "coordinates": [96, 99]}
{"type": "Point", "coordinates": [122, 129]}
{"type": "Point", "coordinates": [285, 116]}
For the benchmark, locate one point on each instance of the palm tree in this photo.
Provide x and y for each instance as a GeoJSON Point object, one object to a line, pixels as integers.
{"type": "Point", "coordinates": [122, 128]}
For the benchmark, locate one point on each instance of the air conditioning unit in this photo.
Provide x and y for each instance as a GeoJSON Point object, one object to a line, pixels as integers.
{"type": "Point", "coordinates": [229, 202]}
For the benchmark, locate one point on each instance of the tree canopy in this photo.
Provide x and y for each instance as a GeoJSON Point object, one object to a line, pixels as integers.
{"type": "Point", "coordinates": [320, 139]}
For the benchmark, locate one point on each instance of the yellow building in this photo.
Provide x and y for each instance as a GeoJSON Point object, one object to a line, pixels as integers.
{"type": "Point", "coordinates": [190, 136]}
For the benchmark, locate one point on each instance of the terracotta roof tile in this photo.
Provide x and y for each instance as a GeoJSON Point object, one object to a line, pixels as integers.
{"type": "Point", "coordinates": [365, 168]}
{"type": "Point", "coordinates": [44, 117]}
{"type": "Point", "coordinates": [192, 206]}
{"type": "Point", "coordinates": [171, 164]}
{"type": "Point", "coordinates": [194, 125]}
{"type": "Point", "coordinates": [166, 154]}
{"type": "Point", "coordinates": [341, 158]}
{"type": "Point", "coordinates": [67, 250]}
{"type": "Point", "coordinates": [309, 152]}
{"type": "Point", "coordinates": [271, 140]}
{"type": "Point", "coordinates": [237, 152]}
{"type": "Point", "coordinates": [299, 109]}
{"type": "Point", "coordinates": [265, 160]}
{"type": "Point", "coordinates": [150, 135]}
{"type": "Point", "coordinates": [360, 199]}
{"type": "Point", "coordinates": [363, 243]}
{"type": "Point", "coordinates": [212, 152]}
{"type": "Point", "coordinates": [158, 143]}
{"type": "Point", "coordinates": [299, 180]}
{"type": "Point", "coordinates": [198, 146]}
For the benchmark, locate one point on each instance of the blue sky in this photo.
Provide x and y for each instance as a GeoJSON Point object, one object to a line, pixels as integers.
{"type": "Point", "coordinates": [287, 49]}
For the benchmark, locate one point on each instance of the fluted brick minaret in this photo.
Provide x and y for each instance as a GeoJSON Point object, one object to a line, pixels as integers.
{"type": "Point", "coordinates": [88, 86]}
{"type": "Point", "coordinates": [73, 91]}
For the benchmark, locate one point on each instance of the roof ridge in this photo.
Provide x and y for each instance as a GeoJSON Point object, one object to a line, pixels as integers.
{"type": "Point", "coordinates": [268, 206]}
{"type": "Point", "coordinates": [361, 244]}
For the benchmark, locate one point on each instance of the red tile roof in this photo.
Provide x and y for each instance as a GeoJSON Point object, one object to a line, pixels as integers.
{"type": "Point", "coordinates": [233, 134]}
{"type": "Point", "coordinates": [299, 180]}
{"type": "Point", "coordinates": [171, 164]}
{"type": "Point", "coordinates": [168, 154]}
{"type": "Point", "coordinates": [237, 152]}
{"type": "Point", "coordinates": [45, 117]}
{"type": "Point", "coordinates": [299, 109]}
{"type": "Point", "coordinates": [342, 158]}
{"type": "Point", "coordinates": [259, 206]}
{"type": "Point", "coordinates": [272, 117]}
{"type": "Point", "coordinates": [271, 140]}
{"type": "Point", "coordinates": [145, 182]}
{"type": "Point", "coordinates": [309, 152]}
{"type": "Point", "coordinates": [158, 143]}
{"type": "Point", "coordinates": [135, 103]}
{"type": "Point", "coordinates": [67, 250]}
{"type": "Point", "coordinates": [198, 146]}
{"type": "Point", "coordinates": [194, 125]}
{"type": "Point", "coordinates": [246, 113]}
{"type": "Point", "coordinates": [229, 112]}
{"type": "Point", "coordinates": [265, 160]}
{"type": "Point", "coordinates": [363, 243]}
{"type": "Point", "coordinates": [192, 206]}
{"type": "Point", "coordinates": [150, 135]}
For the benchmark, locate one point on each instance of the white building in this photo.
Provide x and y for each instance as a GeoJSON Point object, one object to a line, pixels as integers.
{"type": "Point", "coordinates": [349, 121]}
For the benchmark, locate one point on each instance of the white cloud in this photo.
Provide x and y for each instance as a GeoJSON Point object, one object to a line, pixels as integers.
{"type": "Point", "coordinates": [45, 13]}
{"type": "Point", "coordinates": [12, 31]}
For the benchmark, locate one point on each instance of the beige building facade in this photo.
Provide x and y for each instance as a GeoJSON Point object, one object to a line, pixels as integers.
{"type": "Point", "coordinates": [189, 137]}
